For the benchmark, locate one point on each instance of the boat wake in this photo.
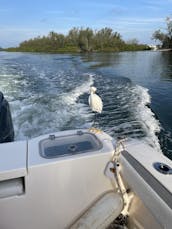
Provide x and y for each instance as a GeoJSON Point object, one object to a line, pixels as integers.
{"type": "Point", "coordinates": [147, 118]}
{"type": "Point", "coordinates": [44, 113]}
{"type": "Point", "coordinates": [53, 97]}
{"type": "Point", "coordinates": [126, 111]}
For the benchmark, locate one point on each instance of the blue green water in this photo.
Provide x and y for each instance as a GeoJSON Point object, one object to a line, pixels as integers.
{"type": "Point", "coordinates": [49, 93]}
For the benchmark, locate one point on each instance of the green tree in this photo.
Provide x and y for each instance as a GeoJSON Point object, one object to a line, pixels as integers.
{"type": "Point", "coordinates": [73, 37]}
{"type": "Point", "coordinates": [85, 39]}
{"type": "Point", "coordinates": [164, 37]}
{"type": "Point", "coordinates": [78, 40]}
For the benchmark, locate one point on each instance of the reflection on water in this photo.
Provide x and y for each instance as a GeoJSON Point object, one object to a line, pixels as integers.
{"type": "Point", "coordinates": [167, 65]}
{"type": "Point", "coordinates": [96, 60]}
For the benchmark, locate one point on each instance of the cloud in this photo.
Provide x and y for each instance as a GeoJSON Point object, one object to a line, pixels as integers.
{"type": "Point", "coordinates": [117, 10]}
{"type": "Point", "coordinates": [13, 36]}
{"type": "Point", "coordinates": [17, 29]}
{"type": "Point", "coordinates": [44, 20]}
{"type": "Point", "coordinates": [59, 12]}
{"type": "Point", "coordinates": [157, 4]}
{"type": "Point", "coordinates": [128, 21]}
{"type": "Point", "coordinates": [68, 18]}
{"type": "Point", "coordinates": [59, 15]}
{"type": "Point", "coordinates": [4, 10]}
{"type": "Point", "coordinates": [142, 20]}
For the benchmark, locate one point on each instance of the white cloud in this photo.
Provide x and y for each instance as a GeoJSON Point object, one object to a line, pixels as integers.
{"type": "Point", "coordinates": [135, 21]}
{"type": "Point", "coordinates": [59, 12]}
{"type": "Point", "coordinates": [4, 10]}
{"type": "Point", "coordinates": [11, 36]}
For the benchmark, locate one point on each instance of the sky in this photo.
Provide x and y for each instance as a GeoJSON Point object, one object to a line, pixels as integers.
{"type": "Point", "coordinates": [21, 20]}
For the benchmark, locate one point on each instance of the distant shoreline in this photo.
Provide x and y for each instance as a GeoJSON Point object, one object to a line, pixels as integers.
{"type": "Point", "coordinates": [80, 40]}
{"type": "Point", "coordinates": [82, 52]}
{"type": "Point", "coordinates": [75, 52]}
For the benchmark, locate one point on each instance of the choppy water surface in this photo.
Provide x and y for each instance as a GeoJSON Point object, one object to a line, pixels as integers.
{"type": "Point", "coordinates": [48, 93]}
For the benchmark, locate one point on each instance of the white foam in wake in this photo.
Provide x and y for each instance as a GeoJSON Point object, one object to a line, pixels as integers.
{"type": "Point", "coordinates": [72, 96]}
{"type": "Point", "coordinates": [144, 114]}
{"type": "Point", "coordinates": [39, 114]}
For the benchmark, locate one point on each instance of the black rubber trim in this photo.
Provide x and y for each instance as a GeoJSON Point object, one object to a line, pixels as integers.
{"type": "Point", "coordinates": [157, 187]}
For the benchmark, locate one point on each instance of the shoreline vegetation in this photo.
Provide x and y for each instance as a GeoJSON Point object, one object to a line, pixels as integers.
{"type": "Point", "coordinates": [79, 40]}
{"type": "Point", "coordinates": [164, 36]}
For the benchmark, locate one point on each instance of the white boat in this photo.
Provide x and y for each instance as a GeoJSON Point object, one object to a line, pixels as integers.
{"type": "Point", "coordinates": [83, 179]}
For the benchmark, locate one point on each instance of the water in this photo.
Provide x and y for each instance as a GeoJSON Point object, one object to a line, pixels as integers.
{"type": "Point", "coordinates": [48, 93]}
